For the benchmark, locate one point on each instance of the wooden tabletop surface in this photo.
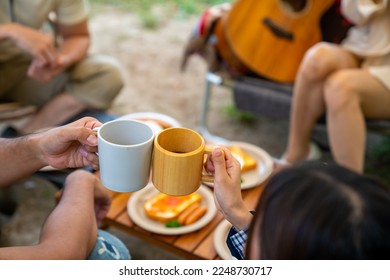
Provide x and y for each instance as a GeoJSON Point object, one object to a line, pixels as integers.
{"type": "Point", "coordinates": [195, 245]}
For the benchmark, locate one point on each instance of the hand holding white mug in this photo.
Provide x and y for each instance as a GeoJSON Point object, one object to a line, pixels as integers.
{"type": "Point", "coordinates": [125, 151]}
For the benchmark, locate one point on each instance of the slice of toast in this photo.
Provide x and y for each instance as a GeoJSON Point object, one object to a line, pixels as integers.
{"type": "Point", "coordinates": [247, 162]}
{"type": "Point", "coordinates": [164, 208]}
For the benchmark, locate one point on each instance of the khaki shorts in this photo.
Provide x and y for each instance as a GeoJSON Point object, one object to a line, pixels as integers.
{"type": "Point", "coordinates": [95, 81]}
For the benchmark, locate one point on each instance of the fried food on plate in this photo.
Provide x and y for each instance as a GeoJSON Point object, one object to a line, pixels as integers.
{"type": "Point", "coordinates": [165, 208]}
{"type": "Point", "coordinates": [247, 162]}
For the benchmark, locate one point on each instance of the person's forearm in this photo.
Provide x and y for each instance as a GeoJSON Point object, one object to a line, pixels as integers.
{"type": "Point", "coordinates": [19, 158]}
{"type": "Point", "coordinates": [75, 41]}
{"type": "Point", "coordinates": [70, 231]}
{"type": "Point", "coordinates": [5, 30]}
{"type": "Point", "coordinates": [74, 49]}
{"type": "Point", "coordinates": [72, 226]}
{"type": "Point", "coordinates": [239, 216]}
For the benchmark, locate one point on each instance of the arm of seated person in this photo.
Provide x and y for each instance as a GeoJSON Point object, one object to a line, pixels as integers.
{"type": "Point", "coordinates": [70, 146]}
{"type": "Point", "coordinates": [70, 231]}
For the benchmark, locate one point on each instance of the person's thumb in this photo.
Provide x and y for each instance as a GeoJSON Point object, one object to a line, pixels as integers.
{"type": "Point", "coordinates": [219, 161]}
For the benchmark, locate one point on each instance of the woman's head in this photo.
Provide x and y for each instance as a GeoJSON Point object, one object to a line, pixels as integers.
{"type": "Point", "coordinates": [321, 212]}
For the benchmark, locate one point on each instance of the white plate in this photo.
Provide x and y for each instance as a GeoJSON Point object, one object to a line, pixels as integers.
{"type": "Point", "coordinates": [149, 117]}
{"type": "Point", "coordinates": [135, 209]}
{"type": "Point", "coordinates": [220, 235]}
{"type": "Point", "coordinates": [265, 165]}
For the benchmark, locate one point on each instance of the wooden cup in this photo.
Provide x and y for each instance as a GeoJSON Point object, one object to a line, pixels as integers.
{"type": "Point", "coordinates": [178, 158]}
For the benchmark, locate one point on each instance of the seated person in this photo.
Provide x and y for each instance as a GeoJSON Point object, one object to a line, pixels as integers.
{"type": "Point", "coordinates": [305, 212]}
{"type": "Point", "coordinates": [55, 74]}
{"type": "Point", "coordinates": [84, 201]}
{"type": "Point", "coordinates": [349, 82]}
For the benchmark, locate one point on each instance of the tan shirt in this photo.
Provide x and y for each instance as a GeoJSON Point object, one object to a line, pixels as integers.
{"type": "Point", "coordinates": [34, 13]}
{"type": "Point", "coordinates": [371, 34]}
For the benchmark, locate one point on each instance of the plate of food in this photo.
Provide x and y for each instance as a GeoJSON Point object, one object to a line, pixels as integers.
{"type": "Point", "coordinates": [220, 235]}
{"type": "Point", "coordinates": [157, 121]}
{"type": "Point", "coordinates": [171, 215]}
{"type": "Point", "coordinates": [256, 164]}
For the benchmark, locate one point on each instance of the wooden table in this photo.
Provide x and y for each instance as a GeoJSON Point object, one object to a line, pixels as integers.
{"type": "Point", "coordinates": [194, 245]}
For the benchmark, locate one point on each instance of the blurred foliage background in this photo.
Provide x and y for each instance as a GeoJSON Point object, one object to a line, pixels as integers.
{"type": "Point", "coordinates": [153, 12]}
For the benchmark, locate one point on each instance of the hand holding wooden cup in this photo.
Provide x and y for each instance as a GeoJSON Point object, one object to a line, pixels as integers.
{"type": "Point", "coordinates": [178, 159]}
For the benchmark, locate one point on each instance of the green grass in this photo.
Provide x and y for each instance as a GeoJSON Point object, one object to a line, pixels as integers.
{"type": "Point", "coordinates": [378, 160]}
{"type": "Point", "coordinates": [145, 9]}
{"type": "Point", "coordinates": [190, 7]}
{"type": "Point", "coordinates": [241, 116]}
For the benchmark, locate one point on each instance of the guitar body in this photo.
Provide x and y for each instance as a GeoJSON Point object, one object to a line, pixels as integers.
{"type": "Point", "coordinates": [270, 37]}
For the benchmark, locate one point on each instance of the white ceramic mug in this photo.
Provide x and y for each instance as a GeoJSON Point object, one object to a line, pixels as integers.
{"type": "Point", "coordinates": [125, 151]}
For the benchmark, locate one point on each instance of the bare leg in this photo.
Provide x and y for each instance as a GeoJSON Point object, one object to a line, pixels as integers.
{"type": "Point", "coordinates": [54, 112]}
{"type": "Point", "coordinates": [308, 97]}
{"type": "Point", "coordinates": [351, 95]}
{"type": "Point", "coordinates": [307, 106]}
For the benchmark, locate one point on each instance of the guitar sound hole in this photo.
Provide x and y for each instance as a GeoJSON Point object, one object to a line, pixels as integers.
{"type": "Point", "coordinates": [294, 5]}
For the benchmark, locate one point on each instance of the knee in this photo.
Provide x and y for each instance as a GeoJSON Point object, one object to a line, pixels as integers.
{"type": "Point", "coordinates": [109, 247]}
{"type": "Point", "coordinates": [339, 93]}
{"type": "Point", "coordinates": [112, 79]}
{"type": "Point", "coordinates": [317, 62]}
{"type": "Point", "coordinates": [97, 80]}
{"type": "Point", "coordinates": [109, 82]}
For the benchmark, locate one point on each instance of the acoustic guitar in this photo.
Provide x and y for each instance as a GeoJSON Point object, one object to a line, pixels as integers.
{"type": "Point", "coordinates": [270, 37]}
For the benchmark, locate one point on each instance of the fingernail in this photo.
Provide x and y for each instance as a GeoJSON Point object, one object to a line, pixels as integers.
{"type": "Point", "coordinates": [217, 150]}
{"type": "Point", "coordinates": [92, 139]}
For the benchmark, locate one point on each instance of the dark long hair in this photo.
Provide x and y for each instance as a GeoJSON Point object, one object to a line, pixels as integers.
{"type": "Point", "coordinates": [322, 212]}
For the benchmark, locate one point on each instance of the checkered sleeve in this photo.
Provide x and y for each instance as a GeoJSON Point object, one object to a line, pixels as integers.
{"type": "Point", "coordinates": [239, 241]}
